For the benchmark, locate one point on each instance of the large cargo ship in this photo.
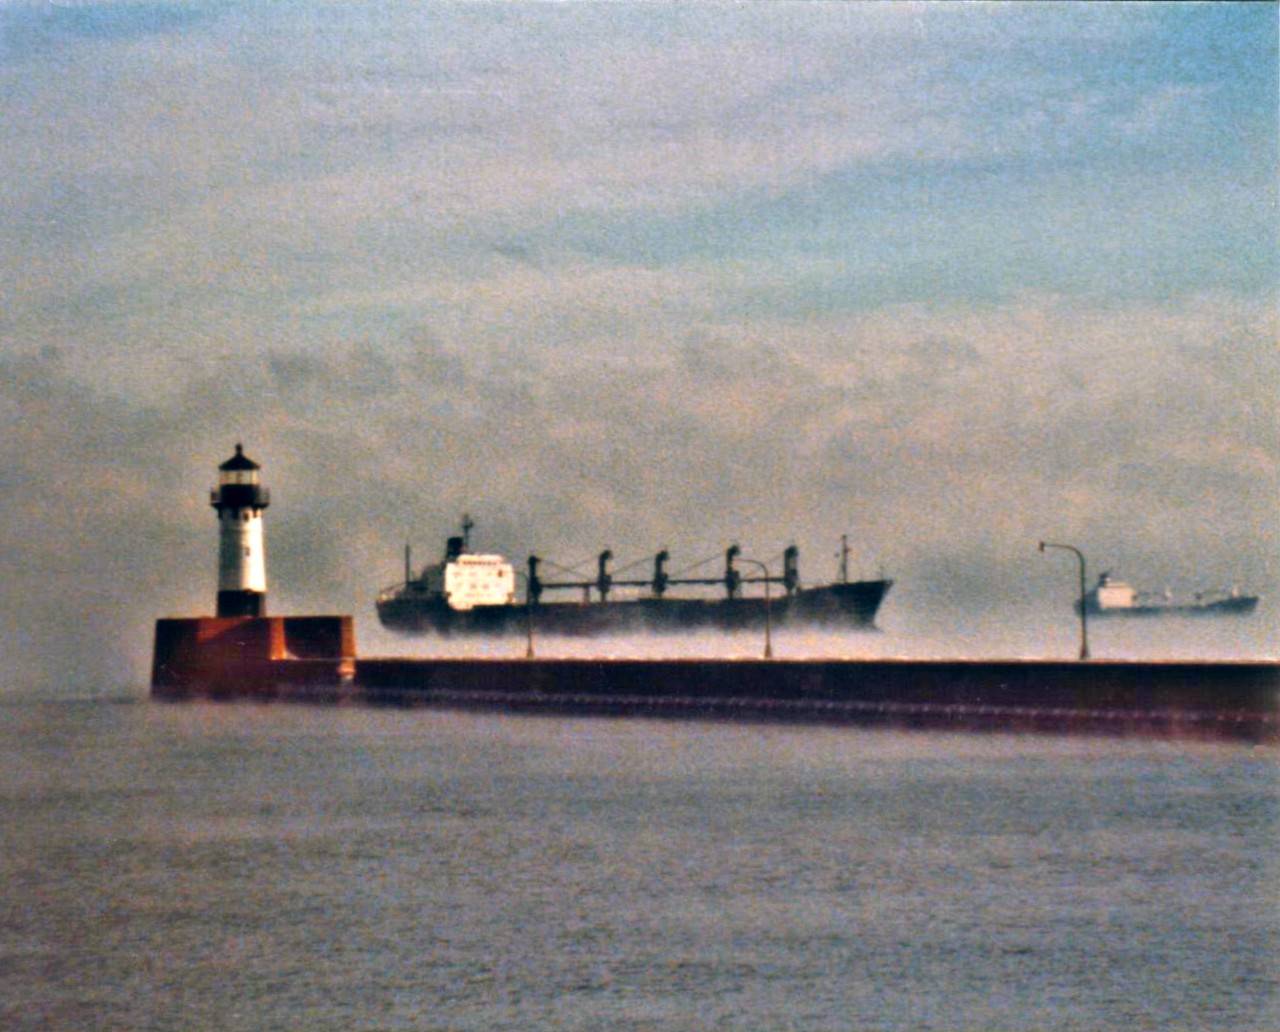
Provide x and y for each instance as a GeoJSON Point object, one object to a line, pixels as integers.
{"type": "Point", "coordinates": [1113, 597]}
{"type": "Point", "coordinates": [475, 593]}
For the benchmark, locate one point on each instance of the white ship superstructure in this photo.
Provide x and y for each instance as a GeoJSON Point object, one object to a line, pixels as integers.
{"type": "Point", "coordinates": [478, 580]}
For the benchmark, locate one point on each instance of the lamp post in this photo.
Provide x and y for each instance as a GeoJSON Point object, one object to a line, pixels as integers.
{"type": "Point", "coordinates": [528, 629]}
{"type": "Point", "coordinates": [528, 616]}
{"type": "Point", "coordinates": [1084, 620]}
{"type": "Point", "coordinates": [768, 616]}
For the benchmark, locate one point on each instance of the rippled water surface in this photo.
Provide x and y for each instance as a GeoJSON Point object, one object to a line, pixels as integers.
{"type": "Point", "coordinates": [242, 867]}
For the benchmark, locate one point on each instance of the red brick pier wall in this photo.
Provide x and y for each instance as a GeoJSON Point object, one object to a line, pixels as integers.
{"type": "Point", "coordinates": [245, 656]}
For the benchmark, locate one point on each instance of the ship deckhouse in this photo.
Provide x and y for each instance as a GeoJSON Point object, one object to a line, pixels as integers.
{"type": "Point", "coordinates": [479, 580]}
{"type": "Point", "coordinates": [465, 580]}
{"type": "Point", "coordinates": [1114, 594]}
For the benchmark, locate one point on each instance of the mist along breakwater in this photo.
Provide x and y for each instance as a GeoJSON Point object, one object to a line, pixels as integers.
{"type": "Point", "coordinates": [312, 659]}
{"type": "Point", "coordinates": [1225, 699]}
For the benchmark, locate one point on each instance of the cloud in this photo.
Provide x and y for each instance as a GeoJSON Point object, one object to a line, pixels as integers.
{"type": "Point", "coordinates": [948, 278]}
{"type": "Point", "coordinates": [1127, 438]}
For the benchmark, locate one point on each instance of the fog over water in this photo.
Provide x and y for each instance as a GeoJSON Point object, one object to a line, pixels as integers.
{"type": "Point", "coordinates": [941, 634]}
{"type": "Point", "coordinates": [949, 279]}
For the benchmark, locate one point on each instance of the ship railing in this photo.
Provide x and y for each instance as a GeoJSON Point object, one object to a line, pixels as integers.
{"type": "Point", "coordinates": [731, 579]}
{"type": "Point", "coordinates": [1218, 594]}
{"type": "Point", "coordinates": [717, 582]}
{"type": "Point", "coordinates": [392, 592]}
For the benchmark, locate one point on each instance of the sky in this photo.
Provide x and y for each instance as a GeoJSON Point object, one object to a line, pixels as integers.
{"type": "Point", "coordinates": [947, 278]}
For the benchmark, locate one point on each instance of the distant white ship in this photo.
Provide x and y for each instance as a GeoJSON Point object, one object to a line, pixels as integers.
{"type": "Point", "coordinates": [1112, 597]}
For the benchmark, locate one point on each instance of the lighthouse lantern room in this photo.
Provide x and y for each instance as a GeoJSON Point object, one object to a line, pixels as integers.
{"type": "Point", "coordinates": [242, 567]}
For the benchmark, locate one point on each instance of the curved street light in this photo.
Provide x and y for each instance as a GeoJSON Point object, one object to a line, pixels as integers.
{"type": "Point", "coordinates": [768, 618]}
{"type": "Point", "coordinates": [1084, 621]}
{"type": "Point", "coordinates": [528, 617]}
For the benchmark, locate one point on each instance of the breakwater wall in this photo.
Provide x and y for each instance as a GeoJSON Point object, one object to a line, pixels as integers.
{"type": "Point", "coordinates": [242, 659]}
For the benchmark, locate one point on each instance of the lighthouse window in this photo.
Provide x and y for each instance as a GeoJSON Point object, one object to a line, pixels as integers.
{"type": "Point", "coordinates": [245, 517]}
{"type": "Point", "coordinates": [246, 553]}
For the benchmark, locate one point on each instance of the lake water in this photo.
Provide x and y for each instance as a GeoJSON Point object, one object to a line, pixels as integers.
{"type": "Point", "coordinates": [279, 867]}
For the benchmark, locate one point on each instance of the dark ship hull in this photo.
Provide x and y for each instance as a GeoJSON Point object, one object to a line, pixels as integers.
{"type": "Point", "coordinates": [836, 606]}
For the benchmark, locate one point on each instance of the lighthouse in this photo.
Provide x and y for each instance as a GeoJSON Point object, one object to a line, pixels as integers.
{"type": "Point", "coordinates": [242, 563]}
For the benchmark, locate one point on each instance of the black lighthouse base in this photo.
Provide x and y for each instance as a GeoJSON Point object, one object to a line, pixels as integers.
{"type": "Point", "coordinates": [242, 603]}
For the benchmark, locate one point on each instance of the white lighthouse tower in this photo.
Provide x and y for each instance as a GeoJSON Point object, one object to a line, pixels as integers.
{"type": "Point", "coordinates": [242, 562]}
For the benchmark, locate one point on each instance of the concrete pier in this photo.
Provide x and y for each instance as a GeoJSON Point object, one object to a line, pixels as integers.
{"type": "Point", "coordinates": [313, 659]}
